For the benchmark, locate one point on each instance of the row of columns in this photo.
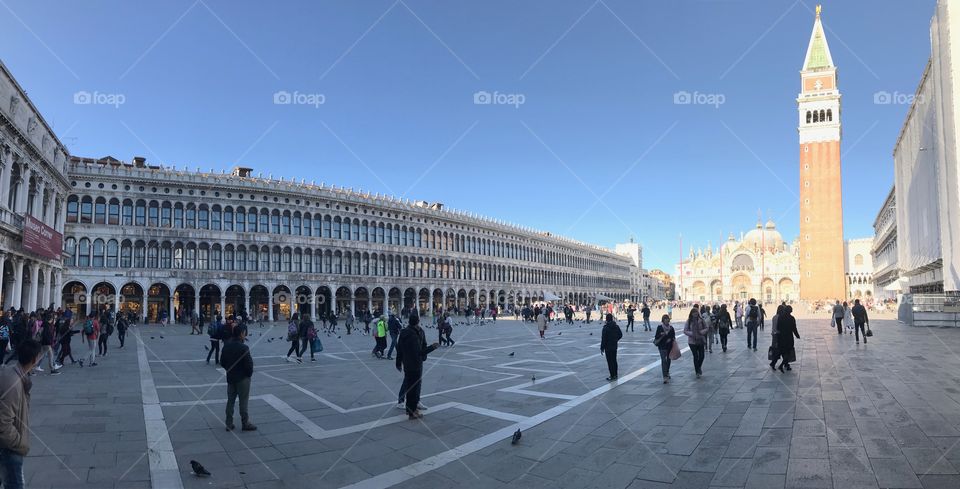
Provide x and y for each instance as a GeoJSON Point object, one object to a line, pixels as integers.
{"type": "Point", "coordinates": [52, 280]}
{"type": "Point", "coordinates": [7, 161]}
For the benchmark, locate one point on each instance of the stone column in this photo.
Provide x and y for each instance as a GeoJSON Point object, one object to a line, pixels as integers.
{"type": "Point", "coordinates": [6, 159]}
{"type": "Point", "coordinates": [171, 319]}
{"type": "Point", "coordinates": [246, 304]}
{"type": "Point", "coordinates": [89, 302]}
{"type": "Point", "coordinates": [116, 302]}
{"type": "Point", "coordinates": [143, 306]}
{"type": "Point", "coordinates": [34, 286]}
{"type": "Point", "coordinates": [196, 303]}
{"type": "Point", "coordinates": [38, 201]}
{"type": "Point", "coordinates": [17, 283]}
{"type": "Point", "coordinates": [23, 191]}
{"type": "Point", "coordinates": [270, 304]}
{"type": "Point", "coordinates": [45, 296]}
{"type": "Point", "coordinates": [58, 288]}
{"type": "Point", "coordinates": [223, 304]}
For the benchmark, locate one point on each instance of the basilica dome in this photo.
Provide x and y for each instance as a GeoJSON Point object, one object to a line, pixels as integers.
{"type": "Point", "coordinates": [765, 236]}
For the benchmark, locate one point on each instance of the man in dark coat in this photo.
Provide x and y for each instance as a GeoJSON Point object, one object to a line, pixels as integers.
{"type": "Point", "coordinates": [786, 326]}
{"type": "Point", "coordinates": [608, 345]}
{"type": "Point", "coordinates": [238, 363]}
{"type": "Point", "coordinates": [412, 350]}
{"type": "Point", "coordinates": [859, 319]}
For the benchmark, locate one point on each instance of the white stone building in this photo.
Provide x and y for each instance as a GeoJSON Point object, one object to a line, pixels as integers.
{"type": "Point", "coordinates": [33, 188]}
{"type": "Point", "coordinates": [159, 239]}
{"type": "Point", "coordinates": [858, 265]}
{"type": "Point", "coordinates": [886, 269]}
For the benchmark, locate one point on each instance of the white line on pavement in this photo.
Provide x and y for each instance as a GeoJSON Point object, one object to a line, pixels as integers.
{"type": "Point", "coordinates": [402, 474]}
{"type": "Point", "coordinates": [164, 469]}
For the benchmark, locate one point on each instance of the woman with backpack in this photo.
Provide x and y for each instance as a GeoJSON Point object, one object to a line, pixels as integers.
{"type": "Point", "coordinates": [106, 330]}
{"type": "Point", "coordinates": [311, 337]}
{"type": "Point", "coordinates": [91, 330]}
{"type": "Point", "coordinates": [293, 336]}
{"type": "Point", "coordinates": [215, 332]}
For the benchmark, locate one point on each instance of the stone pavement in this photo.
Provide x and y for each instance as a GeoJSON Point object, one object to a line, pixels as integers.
{"type": "Point", "coordinates": [885, 414]}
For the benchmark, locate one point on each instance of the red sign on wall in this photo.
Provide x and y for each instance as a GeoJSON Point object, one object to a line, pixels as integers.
{"type": "Point", "coordinates": [40, 239]}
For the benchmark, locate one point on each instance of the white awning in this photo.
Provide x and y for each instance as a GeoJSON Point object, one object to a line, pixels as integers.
{"type": "Point", "coordinates": [550, 296]}
{"type": "Point", "coordinates": [601, 297]}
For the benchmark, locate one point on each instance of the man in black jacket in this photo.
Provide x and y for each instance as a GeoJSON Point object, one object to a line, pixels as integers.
{"type": "Point", "coordinates": [859, 319]}
{"type": "Point", "coordinates": [236, 359]}
{"type": "Point", "coordinates": [608, 345]}
{"type": "Point", "coordinates": [412, 350]}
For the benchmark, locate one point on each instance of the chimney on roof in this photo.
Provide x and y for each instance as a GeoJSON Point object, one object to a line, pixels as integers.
{"type": "Point", "coordinates": [139, 161]}
{"type": "Point", "coordinates": [241, 171]}
{"type": "Point", "coordinates": [437, 206]}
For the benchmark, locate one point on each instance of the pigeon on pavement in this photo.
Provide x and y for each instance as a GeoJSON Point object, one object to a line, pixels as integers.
{"type": "Point", "coordinates": [511, 354]}
{"type": "Point", "coordinates": [516, 437]}
{"type": "Point", "coordinates": [198, 469]}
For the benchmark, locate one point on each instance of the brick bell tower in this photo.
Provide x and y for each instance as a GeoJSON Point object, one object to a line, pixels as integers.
{"type": "Point", "coordinates": [821, 206]}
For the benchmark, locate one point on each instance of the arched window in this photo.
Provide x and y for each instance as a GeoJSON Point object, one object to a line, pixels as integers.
{"type": "Point", "coordinates": [191, 217]}
{"type": "Point", "coordinates": [216, 217]}
{"type": "Point", "coordinates": [228, 218]}
{"type": "Point", "coordinates": [809, 117]}
{"type": "Point", "coordinates": [153, 255]}
{"type": "Point", "coordinates": [216, 258]}
{"type": "Point", "coordinates": [203, 256]}
{"type": "Point", "coordinates": [253, 258]}
{"type": "Point", "coordinates": [228, 257]}
{"type": "Point", "coordinates": [307, 224]}
{"type": "Point", "coordinates": [822, 115]}
{"type": "Point", "coordinates": [203, 217]}
{"type": "Point", "coordinates": [178, 215]}
{"type": "Point", "coordinates": [858, 260]}
{"type": "Point", "coordinates": [140, 213]}
{"type": "Point", "coordinates": [126, 254]}
{"type": "Point", "coordinates": [816, 118]}
{"type": "Point", "coordinates": [140, 255]}
{"type": "Point", "coordinates": [153, 214]}
{"type": "Point", "coordinates": [166, 254]}
{"type": "Point", "coordinates": [275, 221]}
{"type": "Point", "coordinates": [86, 210]}
{"type": "Point", "coordinates": [285, 223]}
{"type": "Point", "coordinates": [296, 226]}
{"type": "Point", "coordinates": [100, 211]}
{"type": "Point", "coordinates": [241, 258]}
{"type": "Point", "coordinates": [264, 259]}
{"type": "Point", "coordinates": [166, 215]}
{"type": "Point", "coordinates": [829, 114]}
{"type": "Point", "coordinates": [73, 208]}
{"type": "Point", "coordinates": [178, 256]}
{"type": "Point", "coordinates": [264, 221]}
{"type": "Point", "coordinates": [70, 248]}
{"type": "Point", "coordinates": [83, 253]}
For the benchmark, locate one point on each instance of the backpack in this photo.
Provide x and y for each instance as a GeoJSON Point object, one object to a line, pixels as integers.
{"type": "Point", "coordinates": [4, 332]}
{"type": "Point", "coordinates": [88, 327]}
{"type": "Point", "coordinates": [292, 331]}
{"type": "Point", "coordinates": [311, 332]}
{"type": "Point", "coordinates": [754, 313]}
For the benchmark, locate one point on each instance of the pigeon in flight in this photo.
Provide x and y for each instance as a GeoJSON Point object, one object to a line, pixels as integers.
{"type": "Point", "coordinates": [198, 469]}
{"type": "Point", "coordinates": [516, 437]}
{"type": "Point", "coordinates": [511, 354]}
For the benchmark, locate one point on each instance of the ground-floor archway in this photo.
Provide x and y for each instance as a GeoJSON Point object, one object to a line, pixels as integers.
{"type": "Point", "coordinates": [158, 302]}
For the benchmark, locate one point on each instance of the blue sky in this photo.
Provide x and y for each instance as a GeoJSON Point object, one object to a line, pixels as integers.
{"type": "Point", "coordinates": [597, 150]}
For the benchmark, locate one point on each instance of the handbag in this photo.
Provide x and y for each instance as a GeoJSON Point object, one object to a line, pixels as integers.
{"type": "Point", "coordinates": [316, 345]}
{"type": "Point", "coordinates": [675, 352]}
{"type": "Point", "coordinates": [773, 353]}
{"type": "Point", "coordinates": [869, 331]}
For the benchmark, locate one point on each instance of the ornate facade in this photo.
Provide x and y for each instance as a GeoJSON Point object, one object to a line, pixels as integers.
{"type": "Point", "coordinates": [33, 189]}
{"type": "Point", "coordinates": [759, 265]}
{"type": "Point", "coordinates": [155, 239]}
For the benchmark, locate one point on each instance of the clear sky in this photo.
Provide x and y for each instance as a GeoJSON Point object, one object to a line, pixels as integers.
{"type": "Point", "coordinates": [582, 136]}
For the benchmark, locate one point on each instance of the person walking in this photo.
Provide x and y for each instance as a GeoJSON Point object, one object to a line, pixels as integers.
{"type": "Point", "coordinates": [738, 313]}
{"type": "Point", "coordinates": [609, 336]}
{"type": "Point", "coordinates": [860, 319]}
{"type": "Point", "coordinates": [309, 337]}
{"type": "Point", "coordinates": [696, 331]}
{"type": "Point", "coordinates": [645, 314]}
{"type": "Point", "coordinates": [15, 435]}
{"type": "Point", "coordinates": [122, 329]}
{"type": "Point", "coordinates": [711, 331]}
{"type": "Point", "coordinates": [838, 317]}
{"type": "Point", "coordinates": [393, 327]}
{"type": "Point", "coordinates": [66, 334]}
{"type": "Point", "coordinates": [238, 363]}
{"type": "Point", "coordinates": [752, 314]}
{"type": "Point", "coordinates": [91, 329]}
{"type": "Point", "coordinates": [786, 331]}
{"type": "Point", "coordinates": [412, 350]}
{"type": "Point", "coordinates": [630, 311]}
{"type": "Point", "coordinates": [380, 335]}
{"type": "Point", "coordinates": [847, 318]}
{"type": "Point", "coordinates": [293, 336]}
{"type": "Point", "coordinates": [542, 323]}
{"type": "Point", "coordinates": [215, 333]}
{"type": "Point", "coordinates": [763, 315]}
{"type": "Point", "coordinates": [47, 334]}
{"type": "Point", "coordinates": [774, 353]}
{"type": "Point", "coordinates": [665, 339]}
{"type": "Point", "coordinates": [724, 322]}
{"type": "Point", "coordinates": [106, 329]}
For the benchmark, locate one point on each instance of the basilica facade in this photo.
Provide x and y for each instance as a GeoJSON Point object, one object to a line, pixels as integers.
{"type": "Point", "coordinates": [760, 264]}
